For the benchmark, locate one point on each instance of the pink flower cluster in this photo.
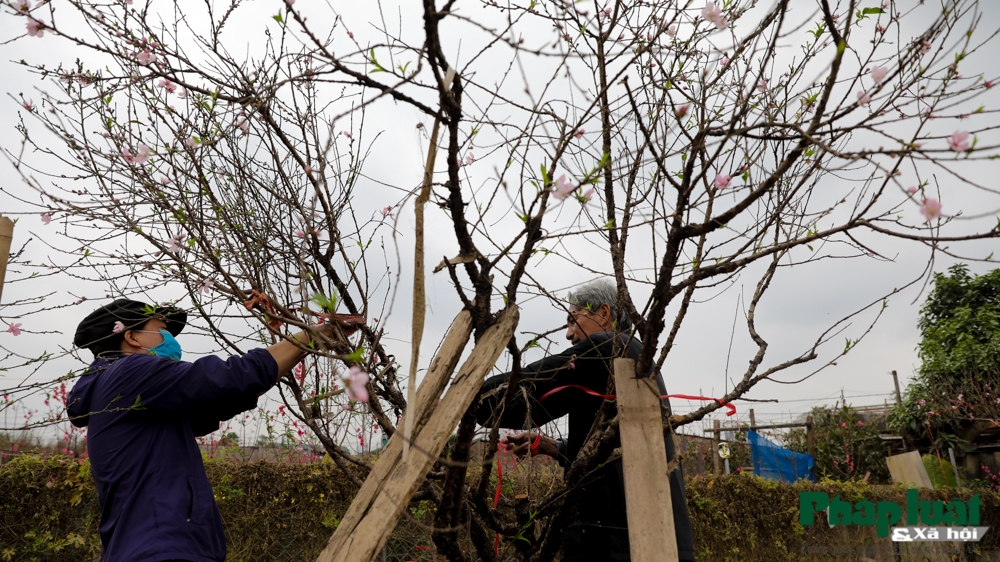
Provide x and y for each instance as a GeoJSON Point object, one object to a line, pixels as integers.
{"type": "Point", "coordinates": [139, 158]}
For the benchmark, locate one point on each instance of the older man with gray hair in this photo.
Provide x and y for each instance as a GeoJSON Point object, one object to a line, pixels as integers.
{"type": "Point", "coordinates": [600, 331]}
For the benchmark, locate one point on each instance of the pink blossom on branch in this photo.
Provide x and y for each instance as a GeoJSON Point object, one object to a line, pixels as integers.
{"type": "Point", "coordinates": [145, 57]}
{"type": "Point", "coordinates": [14, 329]}
{"type": "Point", "coordinates": [578, 134]}
{"type": "Point", "coordinates": [563, 188]}
{"type": "Point", "coordinates": [722, 181]}
{"type": "Point", "coordinates": [35, 27]}
{"type": "Point", "coordinates": [863, 98]}
{"type": "Point", "coordinates": [139, 158]}
{"type": "Point", "coordinates": [46, 218]}
{"type": "Point", "coordinates": [878, 74]}
{"type": "Point", "coordinates": [22, 6]}
{"type": "Point", "coordinates": [931, 209]}
{"type": "Point", "coordinates": [959, 141]}
{"type": "Point", "coordinates": [174, 243]}
{"type": "Point", "coordinates": [206, 286]}
{"type": "Point", "coordinates": [911, 190]}
{"type": "Point", "coordinates": [119, 327]}
{"type": "Point", "coordinates": [681, 111]}
{"type": "Point", "coordinates": [713, 14]}
{"type": "Point", "coordinates": [357, 384]}
{"type": "Point", "coordinates": [167, 85]}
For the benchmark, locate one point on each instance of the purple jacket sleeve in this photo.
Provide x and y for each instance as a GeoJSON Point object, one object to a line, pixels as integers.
{"type": "Point", "coordinates": [210, 383]}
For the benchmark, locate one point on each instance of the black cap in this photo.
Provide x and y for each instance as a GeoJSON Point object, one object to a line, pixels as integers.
{"type": "Point", "coordinates": [99, 325]}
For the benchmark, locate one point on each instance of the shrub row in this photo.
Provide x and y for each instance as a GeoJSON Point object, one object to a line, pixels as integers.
{"type": "Point", "coordinates": [274, 511]}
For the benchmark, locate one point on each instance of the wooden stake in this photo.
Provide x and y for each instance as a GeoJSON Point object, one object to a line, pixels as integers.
{"type": "Point", "coordinates": [651, 534]}
{"type": "Point", "coordinates": [810, 437]}
{"type": "Point", "coordinates": [753, 422]}
{"type": "Point", "coordinates": [899, 397]}
{"type": "Point", "coordinates": [6, 236]}
{"type": "Point", "coordinates": [373, 514]}
{"type": "Point", "coordinates": [715, 446]}
{"type": "Point", "coordinates": [419, 296]}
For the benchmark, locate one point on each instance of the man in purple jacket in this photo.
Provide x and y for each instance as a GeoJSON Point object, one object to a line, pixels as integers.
{"type": "Point", "coordinates": [144, 408]}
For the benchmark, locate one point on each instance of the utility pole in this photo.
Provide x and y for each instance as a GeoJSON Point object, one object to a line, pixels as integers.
{"type": "Point", "coordinates": [895, 381]}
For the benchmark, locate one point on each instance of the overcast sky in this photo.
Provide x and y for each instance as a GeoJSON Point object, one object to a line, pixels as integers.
{"type": "Point", "coordinates": [801, 304]}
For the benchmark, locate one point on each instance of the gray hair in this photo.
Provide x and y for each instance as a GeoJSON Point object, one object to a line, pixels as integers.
{"type": "Point", "coordinates": [592, 295]}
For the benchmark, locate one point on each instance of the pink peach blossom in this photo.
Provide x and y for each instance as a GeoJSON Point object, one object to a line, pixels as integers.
{"type": "Point", "coordinates": [878, 74]}
{"type": "Point", "coordinates": [35, 27]}
{"type": "Point", "coordinates": [14, 329]}
{"type": "Point", "coordinates": [563, 188]}
{"type": "Point", "coordinates": [357, 389]}
{"type": "Point", "coordinates": [959, 141]}
{"type": "Point", "coordinates": [714, 15]}
{"type": "Point", "coordinates": [721, 181]}
{"type": "Point", "coordinates": [145, 57]}
{"type": "Point", "coordinates": [175, 243]}
{"type": "Point", "coordinates": [863, 98]}
{"type": "Point", "coordinates": [46, 218]}
{"type": "Point", "coordinates": [930, 209]}
{"type": "Point", "coordinates": [167, 85]}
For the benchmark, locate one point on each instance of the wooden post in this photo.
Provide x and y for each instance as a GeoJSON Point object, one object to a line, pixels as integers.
{"type": "Point", "coordinates": [715, 446]}
{"type": "Point", "coordinates": [810, 437]}
{"type": "Point", "coordinates": [909, 469]}
{"type": "Point", "coordinates": [753, 422]}
{"type": "Point", "coordinates": [373, 514]}
{"type": "Point", "coordinates": [6, 236]}
{"type": "Point", "coordinates": [899, 397]}
{"type": "Point", "coordinates": [651, 534]}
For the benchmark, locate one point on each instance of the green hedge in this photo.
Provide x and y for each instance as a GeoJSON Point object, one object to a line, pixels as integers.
{"type": "Point", "coordinates": [274, 511]}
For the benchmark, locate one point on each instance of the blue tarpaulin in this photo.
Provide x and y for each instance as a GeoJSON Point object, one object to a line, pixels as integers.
{"type": "Point", "coordinates": [777, 463]}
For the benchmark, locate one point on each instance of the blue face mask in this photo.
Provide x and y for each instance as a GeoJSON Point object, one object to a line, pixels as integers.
{"type": "Point", "coordinates": [169, 348]}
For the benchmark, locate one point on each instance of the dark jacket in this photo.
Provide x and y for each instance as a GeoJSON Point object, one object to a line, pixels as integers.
{"type": "Point", "coordinates": [600, 531]}
{"type": "Point", "coordinates": [144, 413]}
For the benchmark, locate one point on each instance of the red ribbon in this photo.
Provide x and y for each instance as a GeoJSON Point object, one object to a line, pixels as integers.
{"type": "Point", "coordinates": [729, 406]}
